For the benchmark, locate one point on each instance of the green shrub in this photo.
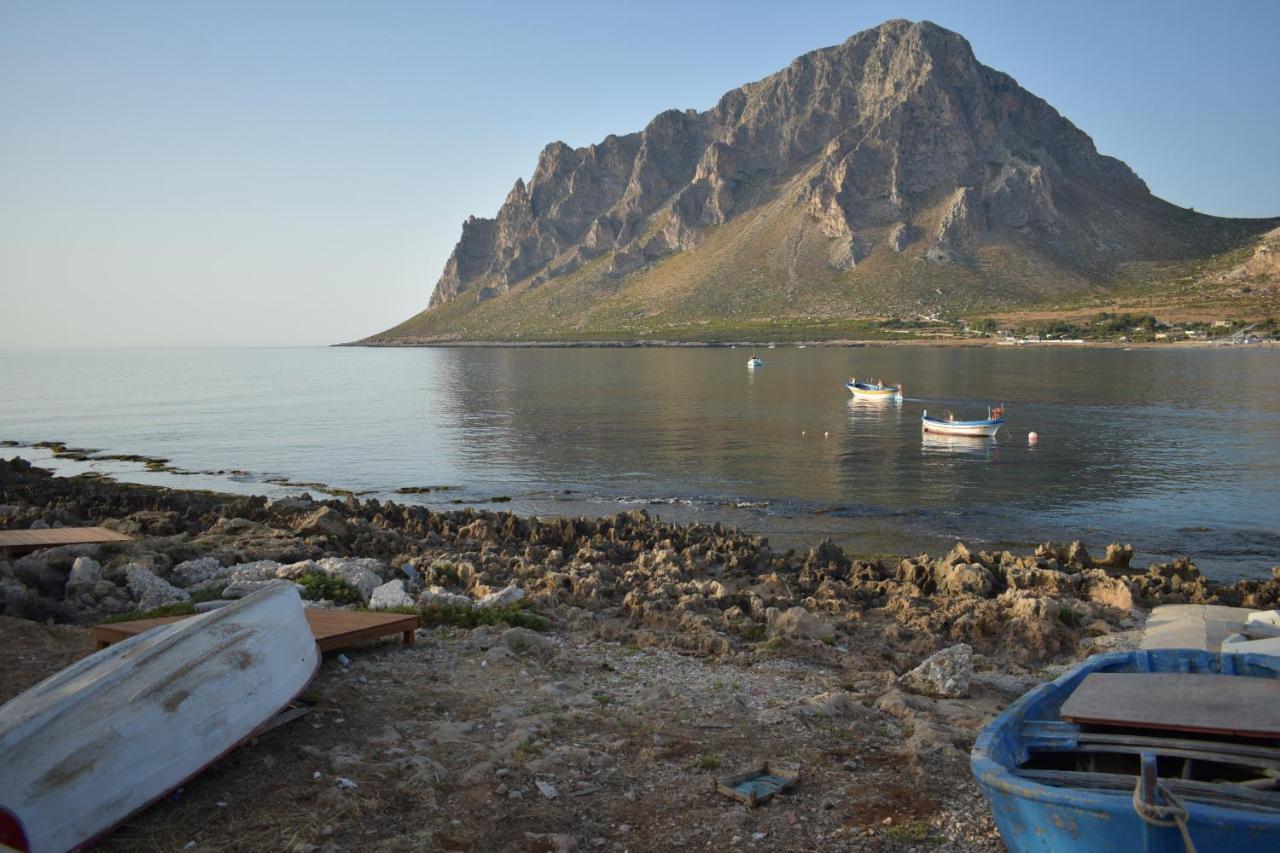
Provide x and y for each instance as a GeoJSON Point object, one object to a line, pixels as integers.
{"type": "Point", "coordinates": [317, 586]}
{"type": "Point", "coordinates": [513, 615]}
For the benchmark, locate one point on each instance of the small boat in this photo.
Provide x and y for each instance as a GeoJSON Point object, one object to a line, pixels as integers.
{"type": "Point", "coordinates": [874, 390]}
{"type": "Point", "coordinates": [1150, 750]}
{"type": "Point", "coordinates": [754, 361]}
{"type": "Point", "coordinates": [951, 426]}
{"type": "Point", "coordinates": [106, 737]}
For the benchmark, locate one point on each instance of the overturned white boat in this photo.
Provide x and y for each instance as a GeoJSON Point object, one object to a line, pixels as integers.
{"type": "Point", "coordinates": [107, 736]}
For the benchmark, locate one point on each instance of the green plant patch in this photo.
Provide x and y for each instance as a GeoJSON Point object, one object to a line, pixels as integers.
{"type": "Point", "coordinates": [181, 608]}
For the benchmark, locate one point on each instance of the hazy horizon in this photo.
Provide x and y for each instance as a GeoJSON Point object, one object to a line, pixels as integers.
{"type": "Point", "coordinates": [297, 174]}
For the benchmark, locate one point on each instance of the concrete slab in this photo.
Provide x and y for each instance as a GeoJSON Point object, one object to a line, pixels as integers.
{"type": "Point", "coordinates": [1192, 626]}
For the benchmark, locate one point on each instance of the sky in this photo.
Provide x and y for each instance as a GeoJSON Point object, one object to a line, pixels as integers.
{"type": "Point", "coordinates": [295, 173]}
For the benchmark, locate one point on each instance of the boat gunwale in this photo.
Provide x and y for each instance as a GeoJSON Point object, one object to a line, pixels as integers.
{"type": "Point", "coordinates": [1000, 777]}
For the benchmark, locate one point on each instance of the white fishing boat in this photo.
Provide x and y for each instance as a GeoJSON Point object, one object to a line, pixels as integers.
{"type": "Point", "coordinates": [754, 362]}
{"type": "Point", "coordinates": [108, 736]}
{"type": "Point", "coordinates": [874, 390]}
{"type": "Point", "coordinates": [979, 429]}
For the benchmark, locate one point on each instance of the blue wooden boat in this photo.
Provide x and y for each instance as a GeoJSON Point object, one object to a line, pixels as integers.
{"type": "Point", "coordinates": [950, 426]}
{"type": "Point", "coordinates": [1058, 785]}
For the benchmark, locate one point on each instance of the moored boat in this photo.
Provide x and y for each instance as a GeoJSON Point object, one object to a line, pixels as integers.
{"type": "Point", "coordinates": [754, 361]}
{"type": "Point", "coordinates": [949, 425]}
{"type": "Point", "coordinates": [1150, 750]}
{"type": "Point", "coordinates": [109, 735]}
{"type": "Point", "coordinates": [874, 390]}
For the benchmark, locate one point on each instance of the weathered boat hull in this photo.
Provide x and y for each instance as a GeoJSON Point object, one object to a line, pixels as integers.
{"type": "Point", "coordinates": [104, 738]}
{"type": "Point", "coordinates": [1046, 817]}
{"type": "Point", "coordinates": [975, 429]}
{"type": "Point", "coordinates": [870, 392]}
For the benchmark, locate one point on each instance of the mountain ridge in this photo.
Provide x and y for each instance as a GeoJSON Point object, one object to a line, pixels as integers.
{"type": "Point", "coordinates": [888, 175]}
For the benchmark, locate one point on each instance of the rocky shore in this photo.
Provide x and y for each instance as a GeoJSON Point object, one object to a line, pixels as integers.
{"type": "Point", "coordinates": [578, 684]}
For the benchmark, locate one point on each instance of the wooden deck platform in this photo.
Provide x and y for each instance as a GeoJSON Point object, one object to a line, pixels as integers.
{"type": "Point", "coordinates": [25, 541]}
{"type": "Point", "coordinates": [333, 629]}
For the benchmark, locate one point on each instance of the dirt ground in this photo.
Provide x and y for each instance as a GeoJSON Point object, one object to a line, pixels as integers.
{"type": "Point", "coordinates": [492, 740]}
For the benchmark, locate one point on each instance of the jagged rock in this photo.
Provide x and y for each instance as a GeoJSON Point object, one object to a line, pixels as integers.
{"type": "Point", "coordinates": [798, 624]}
{"type": "Point", "coordinates": [195, 572]}
{"type": "Point", "coordinates": [1109, 591]}
{"type": "Point", "coordinates": [360, 572]}
{"type": "Point", "coordinates": [944, 674]}
{"type": "Point", "coordinates": [390, 594]}
{"type": "Point", "coordinates": [150, 592]}
{"type": "Point", "coordinates": [502, 598]}
{"type": "Point", "coordinates": [1077, 554]}
{"type": "Point", "coordinates": [441, 597]}
{"type": "Point", "coordinates": [326, 521]}
{"type": "Point", "coordinates": [970, 578]}
{"type": "Point", "coordinates": [1118, 556]}
{"type": "Point", "coordinates": [523, 641]}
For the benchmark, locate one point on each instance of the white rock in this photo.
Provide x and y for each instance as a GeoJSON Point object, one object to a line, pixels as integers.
{"type": "Point", "coordinates": [195, 572]}
{"type": "Point", "coordinates": [390, 594]}
{"type": "Point", "coordinates": [503, 597]}
{"type": "Point", "coordinates": [85, 572]}
{"type": "Point", "coordinates": [258, 570]}
{"type": "Point", "coordinates": [546, 789]}
{"type": "Point", "coordinates": [149, 591]}
{"type": "Point", "coordinates": [946, 673]}
{"type": "Point", "coordinates": [360, 572]}
{"type": "Point", "coordinates": [439, 596]}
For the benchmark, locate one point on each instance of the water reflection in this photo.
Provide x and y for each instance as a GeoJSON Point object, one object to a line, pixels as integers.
{"type": "Point", "coordinates": [1139, 446]}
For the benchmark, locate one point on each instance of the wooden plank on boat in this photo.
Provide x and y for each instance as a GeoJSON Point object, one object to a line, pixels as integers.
{"type": "Point", "coordinates": [1178, 701]}
{"type": "Point", "coordinates": [25, 541]}
{"type": "Point", "coordinates": [332, 629]}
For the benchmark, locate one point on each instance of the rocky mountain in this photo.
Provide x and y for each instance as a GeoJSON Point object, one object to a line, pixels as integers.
{"type": "Point", "coordinates": [891, 175]}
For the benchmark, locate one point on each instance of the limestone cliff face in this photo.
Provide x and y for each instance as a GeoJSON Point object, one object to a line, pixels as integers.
{"type": "Point", "coordinates": [898, 138]}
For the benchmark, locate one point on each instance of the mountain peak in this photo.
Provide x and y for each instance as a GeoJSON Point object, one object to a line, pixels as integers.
{"type": "Point", "coordinates": [896, 143]}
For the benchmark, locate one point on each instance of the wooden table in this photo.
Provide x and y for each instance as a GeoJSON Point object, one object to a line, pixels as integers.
{"type": "Point", "coordinates": [25, 541]}
{"type": "Point", "coordinates": [333, 629]}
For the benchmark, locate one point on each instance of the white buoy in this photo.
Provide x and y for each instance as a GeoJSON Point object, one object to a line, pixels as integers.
{"type": "Point", "coordinates": [802, 433]}
{"type": "Point", "coordinates": [1032, 438]}
{"type": "Point", "coordinates": [826, 435]}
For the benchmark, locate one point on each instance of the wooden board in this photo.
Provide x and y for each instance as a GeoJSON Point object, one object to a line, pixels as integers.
{"type": "Point", "coordinates": [1178, 701]}
{"type": "Point", "coordinates": [333, 629]}
{"type": "Point", "coordinates": [25, 541]}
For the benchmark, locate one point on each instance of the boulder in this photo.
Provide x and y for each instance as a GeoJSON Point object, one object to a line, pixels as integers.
{"type": "Point", "coordinates": [523, 641]}
{"type": "Point", "coordinates": [195, 572]}
{"type": "Point", "coordinates": [438, 596]}
{"type": "Point", "coordinates": [150, 592]}
{"type": "Point", "coordinates": [945, 674]}
{"type": "Point", "coordinates": [326, 521]}
{"type": "Point", "coordinates": [1110, 592]}
{"type": "Point", "coordinates": [970, 578]}
{"type": "Point", "coordinates": [502, 598]}
{"type": "Point", "coordinates": [85, 572]}
{"type": "Point", "coordinates": [796, 623]}
{"type": "Point", "coordinates": [360, 572]}
{"type": "Point", "coordinates": [390, 594]}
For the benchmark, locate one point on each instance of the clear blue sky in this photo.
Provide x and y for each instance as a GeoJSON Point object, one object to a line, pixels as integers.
{"type": "Point", "coordinates": [297, 172]}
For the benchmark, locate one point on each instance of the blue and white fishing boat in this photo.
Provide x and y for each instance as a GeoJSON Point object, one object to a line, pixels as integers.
{"type": "Point", "coordinates": [949, 425]}
{"type": "Point", "coordinates": [1150, 750]}
{"type": "Point", "coordinates": [874, 390]}
{"type": "Point", "coordinates": [754, 362]}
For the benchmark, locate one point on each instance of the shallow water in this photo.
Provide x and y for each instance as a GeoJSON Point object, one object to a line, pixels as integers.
{"type": "Point", "coordinates": [1176, 451]}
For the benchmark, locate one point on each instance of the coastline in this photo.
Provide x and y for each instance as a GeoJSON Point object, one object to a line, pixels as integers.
{"type": "Point", "coordinates": [660, 655]}
{"type": "Point", "coordinates": [836, 343]}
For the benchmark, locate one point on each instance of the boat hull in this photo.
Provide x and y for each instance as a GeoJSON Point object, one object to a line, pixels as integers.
{"type": "Point", "coordinates": [974, 429]}
{"type": "Point", "coordinates": [869, 392]}
{"type": "Point", "coordinates": [107, 736]}
{"type": "Point", "coordinates": [1041, 817]}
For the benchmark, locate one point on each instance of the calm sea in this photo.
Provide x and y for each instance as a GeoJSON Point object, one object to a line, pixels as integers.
{"type": "Point", "coordinates": [1176, 451]}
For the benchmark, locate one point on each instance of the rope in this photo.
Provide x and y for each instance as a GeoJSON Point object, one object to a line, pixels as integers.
{"type": "Point", "coordinates": [1173, 813]}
